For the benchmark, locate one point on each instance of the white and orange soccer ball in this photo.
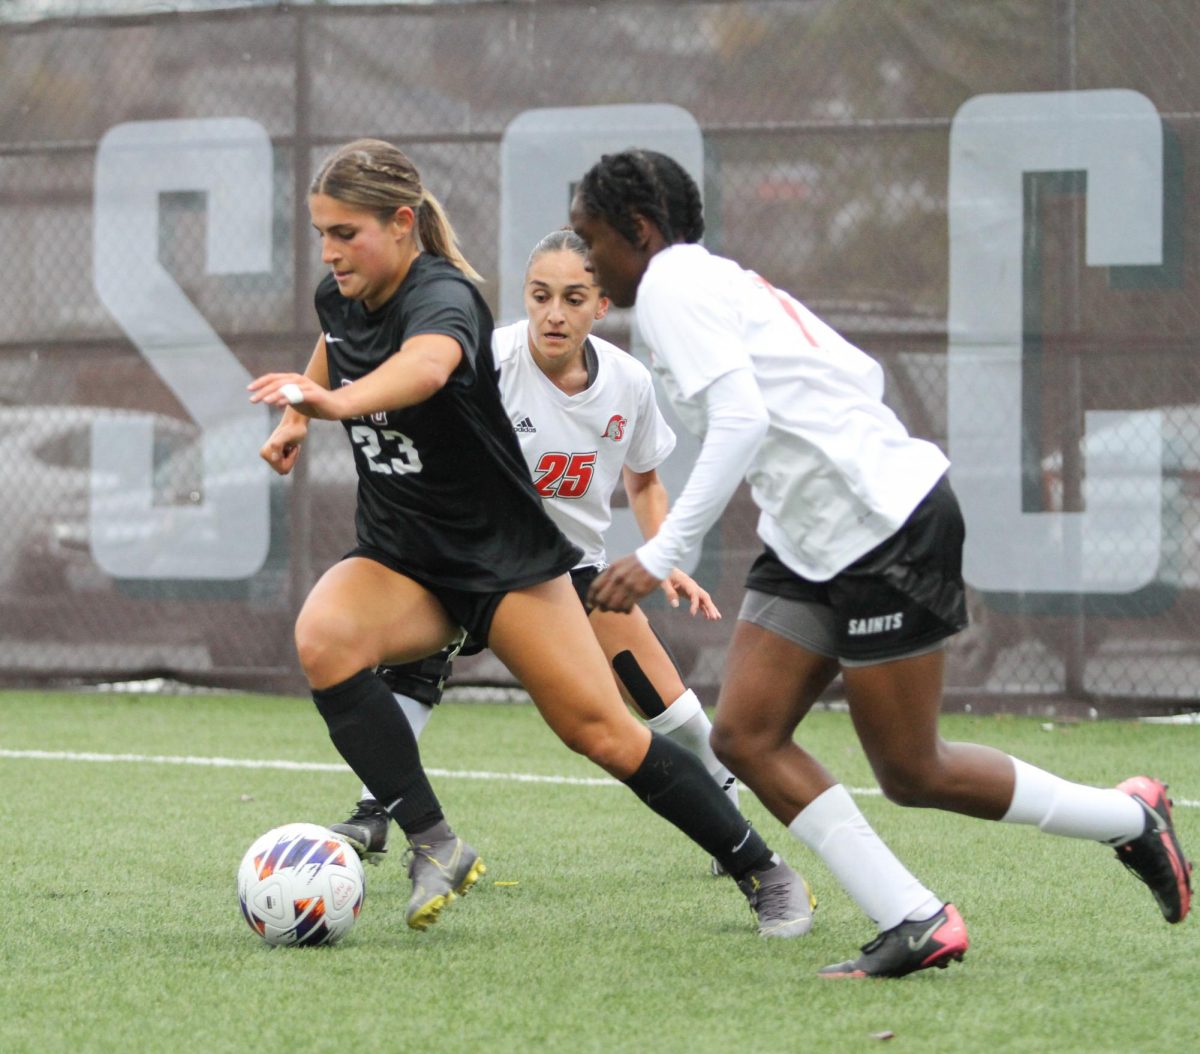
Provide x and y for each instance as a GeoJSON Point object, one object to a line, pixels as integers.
{"type": "Point", "coordinates": [301, 885]}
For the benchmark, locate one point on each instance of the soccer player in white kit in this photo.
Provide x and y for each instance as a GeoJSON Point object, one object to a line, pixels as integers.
{"type": "Point", "coordinates": [860, 575]}
{"type": "Point", "coordinates": [587, 419]}
{"type": "Point", "coordinates": [585, 416]}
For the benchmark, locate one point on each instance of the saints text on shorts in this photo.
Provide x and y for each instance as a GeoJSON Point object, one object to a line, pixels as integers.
{"type": "Point", "coordinates": [861, 627]}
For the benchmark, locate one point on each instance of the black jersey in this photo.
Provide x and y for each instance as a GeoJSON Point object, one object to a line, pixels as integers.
{"type": "Point", "coordinates": [442, 486]}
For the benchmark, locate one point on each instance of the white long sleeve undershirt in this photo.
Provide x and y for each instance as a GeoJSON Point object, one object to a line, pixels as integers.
{"type": "Point", "coordinates": [737, 421]}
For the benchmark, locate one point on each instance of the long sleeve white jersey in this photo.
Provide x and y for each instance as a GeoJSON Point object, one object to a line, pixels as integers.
{"type": "Point", "coordinates": [836, 473]}
{"type": "Point", "coordinates": [576, 445]}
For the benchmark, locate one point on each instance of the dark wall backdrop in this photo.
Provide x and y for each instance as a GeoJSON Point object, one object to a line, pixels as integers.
{"type": "Point", "coordinates": [152, 178]}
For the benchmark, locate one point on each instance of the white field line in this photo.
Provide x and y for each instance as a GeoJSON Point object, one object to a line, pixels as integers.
{"type": "Point", "coordinates": [324, 766]}
{"type": "Point", "coordinates": [293, 766]}
{"type": "Point", "coordinates": [317, 766]}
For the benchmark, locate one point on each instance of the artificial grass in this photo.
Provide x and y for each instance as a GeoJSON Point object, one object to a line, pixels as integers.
{"type": "Point", "coordinates": [596, 927]}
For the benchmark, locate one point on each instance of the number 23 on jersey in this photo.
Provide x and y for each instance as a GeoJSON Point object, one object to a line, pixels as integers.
{"type": "Point", "coordinates": [387, 452]}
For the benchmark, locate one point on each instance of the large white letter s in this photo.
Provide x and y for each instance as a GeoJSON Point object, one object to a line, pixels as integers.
{"type": "Point", "coordinates": [228, 535]}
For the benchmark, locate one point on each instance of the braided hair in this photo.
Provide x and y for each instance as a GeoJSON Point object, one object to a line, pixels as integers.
{"type": "Point", "coordinates": [373, 175]}
{"type": "Point", "coordinates": [643, 182]}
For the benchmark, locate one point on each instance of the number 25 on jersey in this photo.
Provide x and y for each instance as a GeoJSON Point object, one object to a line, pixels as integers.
{"type": "Point", "coordinates": [560, 475]}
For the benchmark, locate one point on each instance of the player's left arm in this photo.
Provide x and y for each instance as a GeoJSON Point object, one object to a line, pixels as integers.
{"type": "Point", "coordinates": [649, 501]}
{"type": "Point", "coordinates": [419, 370]}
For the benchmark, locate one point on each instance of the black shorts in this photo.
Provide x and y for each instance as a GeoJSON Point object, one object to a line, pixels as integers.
{"type": "Point", "coordinates": [424, 679]}
{"type": "Point", "coordinates": [901, 598]}
{"type": "Point", "coordinates": [473, 611]}
{"type": "Point", "coordinates": [582, 579]}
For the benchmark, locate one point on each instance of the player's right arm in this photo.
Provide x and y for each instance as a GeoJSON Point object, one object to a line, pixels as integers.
{"type": "Point", "coordinates": [283, 446]}
{"type": "Point", "coordinates": [649, 501]}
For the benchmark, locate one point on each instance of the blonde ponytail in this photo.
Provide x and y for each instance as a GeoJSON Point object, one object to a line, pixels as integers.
{"type": "Point", "coordinates": [437, 234]}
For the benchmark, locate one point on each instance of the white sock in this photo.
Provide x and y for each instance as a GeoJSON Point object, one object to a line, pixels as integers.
{"type": "Point", "coordinates": [686, 722]}
{"type": "Point", "coordinates": [833, 828]}
{"type": "Point", "coordinates": [1075, 810]}
{"type": "Point", "coordinates": [418, 715]}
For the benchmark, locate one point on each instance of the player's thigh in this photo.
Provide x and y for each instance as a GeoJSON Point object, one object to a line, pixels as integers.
{"type": "Point", "coordinates": [542, 635]}
{"type": "Point", "coordinates": [633, 633]}
{"type": "Point", "coordinates": [895, 708]}
{"type": "Point", "coordinates": [769, 684]}
{"type": "Point", "coordinates": [377, 613]}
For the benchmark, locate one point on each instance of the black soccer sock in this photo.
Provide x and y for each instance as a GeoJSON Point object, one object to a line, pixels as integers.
{"type": "Point", "coordinates": [377, 742]}
{"type": "Point", "coordinates": [673, 782]}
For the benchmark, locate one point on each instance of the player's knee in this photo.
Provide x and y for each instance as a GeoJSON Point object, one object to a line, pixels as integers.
{"type": "Point", "coordinates": [603, 745]}
{"type": "Point", "coordinates": [906, 784]}
{"type": "Point", "coordinates": [733, 747]}
{"type": "Point", "coordinates": [598, 746]}
{"type": "Point", "coordinates": [327, 648]}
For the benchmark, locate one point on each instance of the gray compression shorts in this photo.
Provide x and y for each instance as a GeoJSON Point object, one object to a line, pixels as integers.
{"type": "Point", "coordinates": [810, 625]}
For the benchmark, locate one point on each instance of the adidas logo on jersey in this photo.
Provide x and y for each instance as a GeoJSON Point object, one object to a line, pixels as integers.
{"type": "Point", "coordinates": [524, 425]}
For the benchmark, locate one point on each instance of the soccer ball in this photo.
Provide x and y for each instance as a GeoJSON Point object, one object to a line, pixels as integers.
{"type": "Point", "coordinates": [300, 884]}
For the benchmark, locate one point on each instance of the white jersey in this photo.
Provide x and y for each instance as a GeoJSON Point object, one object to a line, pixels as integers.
{"type": "Point", "coordinates": [837, 472]}
{"type": "Point", "coordinates": [576, 445]}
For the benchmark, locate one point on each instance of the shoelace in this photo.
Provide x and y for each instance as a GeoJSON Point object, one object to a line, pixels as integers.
{"type": "Point", "coordinates": [409, 857]}
{"type": "Point", "coordinates": [772, 899]}
{"type": "Point", "coordinates": [366, 812]}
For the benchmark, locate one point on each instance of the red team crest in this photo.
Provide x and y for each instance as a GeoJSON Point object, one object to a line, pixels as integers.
{"type": "Point", "coordinates": [615, 429]}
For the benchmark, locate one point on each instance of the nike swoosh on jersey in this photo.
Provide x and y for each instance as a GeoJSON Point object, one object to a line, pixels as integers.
{"type": "Point", "coordinates": [331, 339]}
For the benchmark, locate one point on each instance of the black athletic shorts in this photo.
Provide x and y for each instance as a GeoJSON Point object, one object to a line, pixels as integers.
{"type": "Point", "coordinates": [424, 679]}
{"type": "Point", "coordinates": [473, 611]}
{"type": "Point", "coordinates": [582, 579]}
{"type": "Point", "coordinates": [902, 597]}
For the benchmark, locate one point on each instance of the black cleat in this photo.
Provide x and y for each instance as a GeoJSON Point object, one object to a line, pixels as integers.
{"type": "Point", "coordinates": [911, 946]}
{"type": "Point", "coordinates": [1155, 855]}
{"type": "Point", "coordinates": [367, 830]}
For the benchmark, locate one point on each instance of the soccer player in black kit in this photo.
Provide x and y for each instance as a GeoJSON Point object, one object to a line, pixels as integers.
{"type": "Point", "coordinates": [451, 536]}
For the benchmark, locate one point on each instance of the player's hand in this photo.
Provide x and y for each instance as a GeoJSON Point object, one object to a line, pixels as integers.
{"type": "Point", "coordinates": [620, 586]}
{"type": "Point", "coordinates": [294, 390]}
{"type": "Point", "coordinates": [678, 583]}
{"type": "Point", "coordinates": [283, 446]}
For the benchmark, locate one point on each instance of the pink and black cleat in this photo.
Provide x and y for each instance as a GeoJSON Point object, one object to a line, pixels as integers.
{"type": "Point", "coordinates": [1155, 855]}
{"type": "Point", "coordinates": [911, 946]}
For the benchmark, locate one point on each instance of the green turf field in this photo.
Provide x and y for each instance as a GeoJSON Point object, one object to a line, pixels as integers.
{"type": "Point", "coordinates": [597, 927]}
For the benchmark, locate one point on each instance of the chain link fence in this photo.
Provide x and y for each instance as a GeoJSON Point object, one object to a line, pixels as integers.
{"type": "Point", "coordinates": [837, 137]}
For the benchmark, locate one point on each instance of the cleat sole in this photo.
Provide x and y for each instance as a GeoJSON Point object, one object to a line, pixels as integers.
{"type": "Point", "coordinates": [941, 963]}
{"type": "Point", "coordinates": [428, 913]}
{"type": "Point", "coordinates": [478, 870]}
